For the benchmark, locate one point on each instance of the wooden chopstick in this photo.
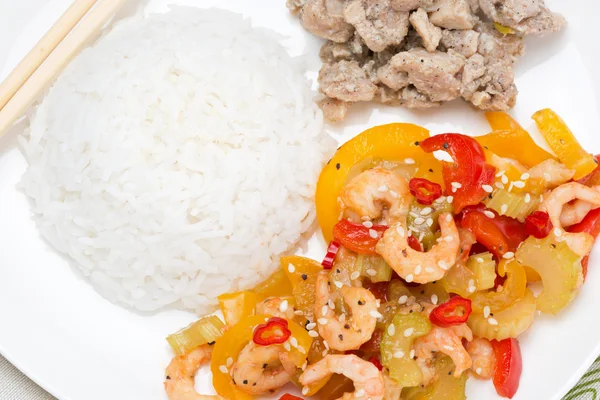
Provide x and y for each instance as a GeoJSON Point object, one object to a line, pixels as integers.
{"type": "Point", "coordinates": [43, 48]}
{"type": "Point", "coordinates": [56, 60]}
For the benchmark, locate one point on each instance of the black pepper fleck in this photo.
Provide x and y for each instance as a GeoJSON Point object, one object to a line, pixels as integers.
{"type": "Point", "coordinates": [346, 326]}
{"type": "Point", "coordinates": [417, 143]}
{"type": "Point", "coordinates": [341, 337]}
{"type": "Point", "coordinates": [304, 277]}
{"type": "Point", "coordinates": [430, 170]}
{"type": "Point", "coordinates": [211, 343]}
{"type": "Point", "coordinates": [404, 252]}
{"type": "Point", "coordinates": [168, 377]}
{"type": "Point", "coordinates": [446, 146]}
{"type": "Point", "coordinates": [245, 381]}
{"type": "Point", "coordinates": [338, 166]}
{"type": "Point", "coordinates": [265, 365]}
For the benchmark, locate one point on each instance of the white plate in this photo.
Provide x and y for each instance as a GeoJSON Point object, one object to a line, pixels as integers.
{"type": "Point", "coordinates": [77, 345]}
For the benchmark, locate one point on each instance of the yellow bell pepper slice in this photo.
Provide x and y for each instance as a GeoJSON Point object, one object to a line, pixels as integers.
{"type": "Point", "coordinates": [510, 140]}
{"type": "Point", "coordinates": [513, 289]}
{"type": "Point", "coordinates": [277, 285]}
{"type": "Point", "coordinates": [302, 274]}
{"type": "Point", "coordinates": [562, 141]}
{"type": "Point", "coordinates": [235, 339]}
{"type": "Point", "coordinates": [388, 142]}
{"type": "Point", "coordinates": [238, 305]}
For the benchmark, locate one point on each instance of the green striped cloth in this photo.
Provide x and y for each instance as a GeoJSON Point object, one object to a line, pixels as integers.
{"type": "Point", "coordinates": [588, 387]}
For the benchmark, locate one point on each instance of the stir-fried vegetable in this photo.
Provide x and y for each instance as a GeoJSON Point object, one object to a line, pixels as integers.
{"type": "Point", "coordinates": [538, 224]}
{"type": "Point", "coordinates": [205, 330]}
{"type": "Point", "coordinates": [455, 311]}
{"type": "Point", "coordinates": [302, 273]}
{"type": "Point", "coordinates": [276, 285]}
{"type": "Point", "coordinates": [357, 237]}
{"type": "Point", "coordinates": [373, 268]}
{"type": "Point", "coordinates": [509, 365]}
{"type": "Point", "coordinates": [237, 305]}
{"type": "Point", "coordinates": [484, 269]}
{"type": "Point", "coordinates": [513, 289]}
{"type": "Point", "coordinates": [445, 387]}
{"type": "Point", "coordinates": [514, 205]}
{"type": "Point", "coordinates": [464, 178]}
{"type": "Point", "coordinates": [510, 140]}
{"type": "Point", "coordinates": [591, 225]}
{"type": "Point", "coordinates": [558, 266]}
{"type": "Point", "coordinates": [396, 344]}
{"type": "Point", "coordinates": [460, 280]}
{"type": "Point", "coordinates": [562, 141]}
{"type": "Point", "coordinates": [593, 178]}
{"type": "Point", "coordinates": [274, 331]}
{"type": "Point", "coordinates": [332, 250]}
{"type": "Point", "coordinates": [422, 221]}
{"type": "Point", "coordinates": [388, 142]}
{"type": "Point", "coordinates": [425, 192]}
{"type": "Point", "coordinates": [235, 339]}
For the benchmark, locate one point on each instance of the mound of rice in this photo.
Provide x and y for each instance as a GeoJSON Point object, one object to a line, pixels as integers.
{"type": "Point", "coordinates": [176, 159]}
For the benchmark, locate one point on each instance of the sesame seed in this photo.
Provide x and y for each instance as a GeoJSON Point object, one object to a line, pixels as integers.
{"type": "Point", "coordinates": [304, 365]}
{"type": "Point", "coordinates": [373, 233]}
{"type": "Point", "coordinates": [500, 173]}
{"type": "Point", "coordinates": [338, 284]}
{"type": "Point", "coordinates": [456, 185]}
{"type": "Point", "coordinates": [324, 353]}
{"type": "Point", "coordinates": [408, 332]}
{"type": "Point", "coordinates": [479, 370]}
{"type": "Point", "coordinates": [499, 185]}
{"type": "Point", "coordinates": [400, 231]}
{"type": "Point", "coordinates": [527, 198]}
{"type": "Point", "coordinates": [479, 259]}
{"type": "Point", "coordinates": [301, 349]}
{"type": "Point", "coordinates": [489, 214]}
{"type": "Point", "coordinates": [419, 221]}
{"type": "Point", "coordinates": [311, 325]}
{"type": "Point", "coordinates": [299, 312]}
{"type": "Point", "coordinates": [421, 236]}
{"type": "Point", "coordinates": [547, 176]}
{"type": "Point", "coordinates": [471, 282]}
{"type": "Point", "coordinates": [283, 306]}
{"type": "Point", "coordinates": [417, 270]}
{"type": "Point", "coordinates": [382, 188]}
{"type": "Point", "coordinates": [472, 289]}
{"type": "Point", "coordinates": [293, 341]}
{"type": "Point", "coordinates": [448, 217]}
{"type": "Point", "coordinates": [403, 299]}
{"type": "Point", "coordinates": [399, 354]}
{"type": "Point", "coordinates": [487, 188]}
{"type": "Point", "coordinates": [313, 334]}
{"type": "Point", "coordinates": [429, 222]}
{"type": "Point", "coordinates": [365, 218]}
{"type": "Point", "coordinates": [394, 194]}
{"type": "Point", "coordinates": [371, 272]}
{"type": "Point", "coordinates": [342, 318]}
{"type": "Point", "coordinates": [448, 238]}
{"type": "Point", "coordinates": [223, 369]}
{"type": "Point", "coordinates": [409, 161]}
{"type": "Point", "coordinates": [287, 346]}
{"type": "Point", "coordinates": [426, 211]}
{"type": "Point", "coordinates": [412, 353]}
{"type": "Point", "coordinates": [450, 199]}
{"type": "Point", "coordinates": [486, 311]}
{"type": "Point", "coordinates": [503, 209]}
{"type": "Point", "coordinates": [557, 232]}
{"type": "Point", "coordinates": [525, 176]}
{"type": "Point", "coordinates": [359, 393]}
{"type": "Point", "coordinates": [375, 314]}
{"type": "Point", "coordinates": [449, 348]}
{"type": "Point", "coordinates": [428, 269]}
{"type": "Point", "coordinates": [409, 278]}
{"type": "Point", "coordinates": [519, 184]}
{"type": "Point", "coordinates": [508, 255]}
{"type": "Point", "coordinates": [367, 224]}
{"type": "Point", "coordinates": [434, 299]}
{"type": "Point", "coordinates": [324, 310]}
{"type": "Point", "coordinates": [541, 198]}
{"type": "Point", "coordinates": [443, 265]}
{"type": "Point", "coordinates": [305, 390]}
{"type": "Point", "coordinates": [322, 321]}
{"type": "Point", "coordinates": [228, 362]}
{"type": "Point", "coordinates": [504, 179]}
{"type": "Point", "coordinates": [331, 304]}
{"type": "Point", "coordinates": [355, 275]}
{"type": "Point", "coordinates": [391, 329]}
{"type": "Point", "coordinates": [291, 268]}
{"type": "Point", "coordinates": [492, 321]}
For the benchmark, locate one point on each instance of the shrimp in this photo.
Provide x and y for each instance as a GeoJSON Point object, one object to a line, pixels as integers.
{"type": "Point", "coordinates": [416, 266]}
{"type": "Point", "coordinates": [483, 358]}
{"type": "Point", "coordinates": [345, 333]}
{"type": "Point", "coordinates": [368, 380]}
{"type": "Point", "coordinates": [368, 192]}
{"type": "Point", "coordinates": [253, 373]}
{"type": "Point", "coordinates": [276, 307]}
{"type": "Point", "coordinates": [574, 212]}
{"type": "Point", "coordinates": [180, 374]}
{"type": "Point", "coordinates": [447, 341]}
{"type": "Point", "coordinates": [393, 390]}
{"type": "Point", "coordinates": [552, 172]}
{"type": "Point", "coordinates": [580, 243]}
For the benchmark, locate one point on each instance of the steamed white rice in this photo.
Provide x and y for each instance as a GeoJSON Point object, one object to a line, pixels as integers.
{"type": "Point", "coordinates": [176, 159]}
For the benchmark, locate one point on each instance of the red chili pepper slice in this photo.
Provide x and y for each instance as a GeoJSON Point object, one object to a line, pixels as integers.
{"type": "Point", "coordinates": [538, 224]}
{"type": "Point", "coordinates": [332, 250]}
{"type": "Point", "coordinates": [424, 190]}
{"type": "Point", "coordinates": [509, 366]}
{"type": "Point", "coordinates": [469, 172]}
{"type": "Point", "coordinates": [414, 243]}
{"type": "Point", "coordinates": [357, 237]}
{"type": "Point", "coordinates": [288, 396]}
{"type": "Point", "coordinates": [499, 234]}
{"type": "Point", "coordinates": [455, 311]}
{"type": "Point", "coordinates": [373, 360]}
{"type": "Point", "coordinates": [590, 224]}
{"type": "Point", "coordinates": [274, 331]}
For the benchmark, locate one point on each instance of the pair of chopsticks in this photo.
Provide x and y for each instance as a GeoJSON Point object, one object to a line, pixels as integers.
{"type": "Point", "coordinates": [50, 55]}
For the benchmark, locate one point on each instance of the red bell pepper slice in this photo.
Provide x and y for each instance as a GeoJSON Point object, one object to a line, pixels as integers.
{"type": "Point", "coordinates": [590, 224]}
{"type": "Point", "coordinates": [499, 234]}
{"type": "Point", "coordinates": [373, 360]}
{"type": "Point", "coordinates": [288, 396]}
{"type": "Point", "coordinates": [274, 331]}
{"type": "Point", "coordinates": [469, 172]}
{"type": "Point", "coordinates": [424, 190]}
{"type": "Point", "coordinates": [455, 311]}
{"type": "Point", "coordinates": [538, 224]}
{"type": "Point", "coordinates": [509, 366]}
{"type": "Point", "coordinates": [357, 237]}
{"type": "Point", "coordinates": [332, 250]}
